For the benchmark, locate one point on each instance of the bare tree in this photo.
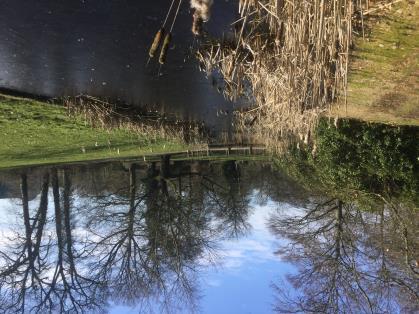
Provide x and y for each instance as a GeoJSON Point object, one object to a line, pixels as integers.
{"type": "Point", "coordinates": [34, 279]}
{"type": "Point", "coordinates": [137, 241]}
{"type": "Point", "coordinates": [228, 200]}
{"type": "Point", "coordinates": [21, 282]}
{"type": "Point", "coordinates": [147, 243]}
{"type": "Point", "coordinates": [337, 272]}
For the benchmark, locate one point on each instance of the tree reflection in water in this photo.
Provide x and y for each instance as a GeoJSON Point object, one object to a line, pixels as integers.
{"type": "Point", "coordinates": [38, 269]}
{"type": "Point", "coordinates": [348, 260]}
{"type": "Point", "coordinates": [141, 234]}
{"type": "Point", "coordinates": [142, 241]}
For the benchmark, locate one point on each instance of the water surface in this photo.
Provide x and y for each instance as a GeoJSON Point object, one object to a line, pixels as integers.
{"type": "Point", "coordinates": [67, 48]}
{"type": "Point", "coordinates": [196, 236]}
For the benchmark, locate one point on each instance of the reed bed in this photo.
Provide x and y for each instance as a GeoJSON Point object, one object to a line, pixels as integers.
{"type": "Point", "coordinates": [152, 124]}
{"type": "Point", "coordinates": [290, 60]}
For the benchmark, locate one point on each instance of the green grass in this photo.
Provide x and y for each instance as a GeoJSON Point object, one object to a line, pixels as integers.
{"type": "Point", "coordinates": [33, 132]}
{"type": "Point", "coordinates": [384, 72]}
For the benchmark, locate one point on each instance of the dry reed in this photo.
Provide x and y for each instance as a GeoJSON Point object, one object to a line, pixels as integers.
{"type": "Point", "coordinates": [290, 59]}
{"type": "Point", "coordinates": [152, 124]}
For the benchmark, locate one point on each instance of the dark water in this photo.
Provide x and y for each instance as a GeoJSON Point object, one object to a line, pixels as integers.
{"type": "Point", "coordinates": [198, 236]}
{"type": "Point", "coordinates": [100, 48]}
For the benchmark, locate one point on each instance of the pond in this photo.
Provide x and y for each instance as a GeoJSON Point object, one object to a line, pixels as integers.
{"type": "Point", "coordinates": [181, 236]}
{"type": "Point", "coordinates": [70, 48]}
{"type": "Point", "coordinates": [320, 218]}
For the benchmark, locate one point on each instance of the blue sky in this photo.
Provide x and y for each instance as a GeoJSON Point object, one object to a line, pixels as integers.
{"type": "Point", "coordinates": [241, 283]}
{"type": "Point", "coordinates": [246, 267]}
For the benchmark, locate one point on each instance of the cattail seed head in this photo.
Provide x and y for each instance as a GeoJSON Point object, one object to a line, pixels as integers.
{"type": "Point", "coordinates": [202, 8]}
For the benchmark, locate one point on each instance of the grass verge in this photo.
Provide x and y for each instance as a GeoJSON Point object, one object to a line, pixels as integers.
{"type": "Point", "coordinates": [33, 132]}
{"type": "Point", "coordinates": [384, 75]}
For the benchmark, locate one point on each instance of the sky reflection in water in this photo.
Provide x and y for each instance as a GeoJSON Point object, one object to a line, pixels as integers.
{"type": "Point", "coordinates": [211, 237]}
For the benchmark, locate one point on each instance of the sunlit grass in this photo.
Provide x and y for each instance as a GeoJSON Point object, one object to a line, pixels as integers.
{"type": "Point", "coordinates": [384, 77]}
{"type": "Point", "coordinates": [33, 132]}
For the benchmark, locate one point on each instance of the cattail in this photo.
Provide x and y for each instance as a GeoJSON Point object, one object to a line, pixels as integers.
{"type": "Point", "coordinates": [165, 48]}
{"type": "Point", "coordinates": [202, 14]}
{"type": "Point", "coordinates": [197, 24]}
{"type": "Point", "coordinates": [156, 42]}
{"type": "Point", "coordinates": [202, 8]}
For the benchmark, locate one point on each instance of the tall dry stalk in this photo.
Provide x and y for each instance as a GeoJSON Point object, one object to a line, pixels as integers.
{"type": "Point", "coordinates": [151, 124]}
{"type": "Point", "coordinates": [290, 58]}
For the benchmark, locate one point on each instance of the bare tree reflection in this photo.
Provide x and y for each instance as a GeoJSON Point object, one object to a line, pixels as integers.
{"type": "Point", "coordinates": [148, 243]}
{"type": "Point", "coordinates": [23, 263]}
{"type": "Point", "coordinates": [73, 290]}
{"type": "Point", "coordinates": [39, 274]}
{"type": "Point", "coordinates": [140, 239]}
{"type": "Point", "coordinates": [331, 245]}
{"type": "Point", "coordinates": [229, 200]}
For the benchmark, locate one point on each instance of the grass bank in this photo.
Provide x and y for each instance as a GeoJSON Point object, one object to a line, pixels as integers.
{"type": "Point", "coordinates": [34, 132]}
{"type": "Point", "coordinates": [384, 72]}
